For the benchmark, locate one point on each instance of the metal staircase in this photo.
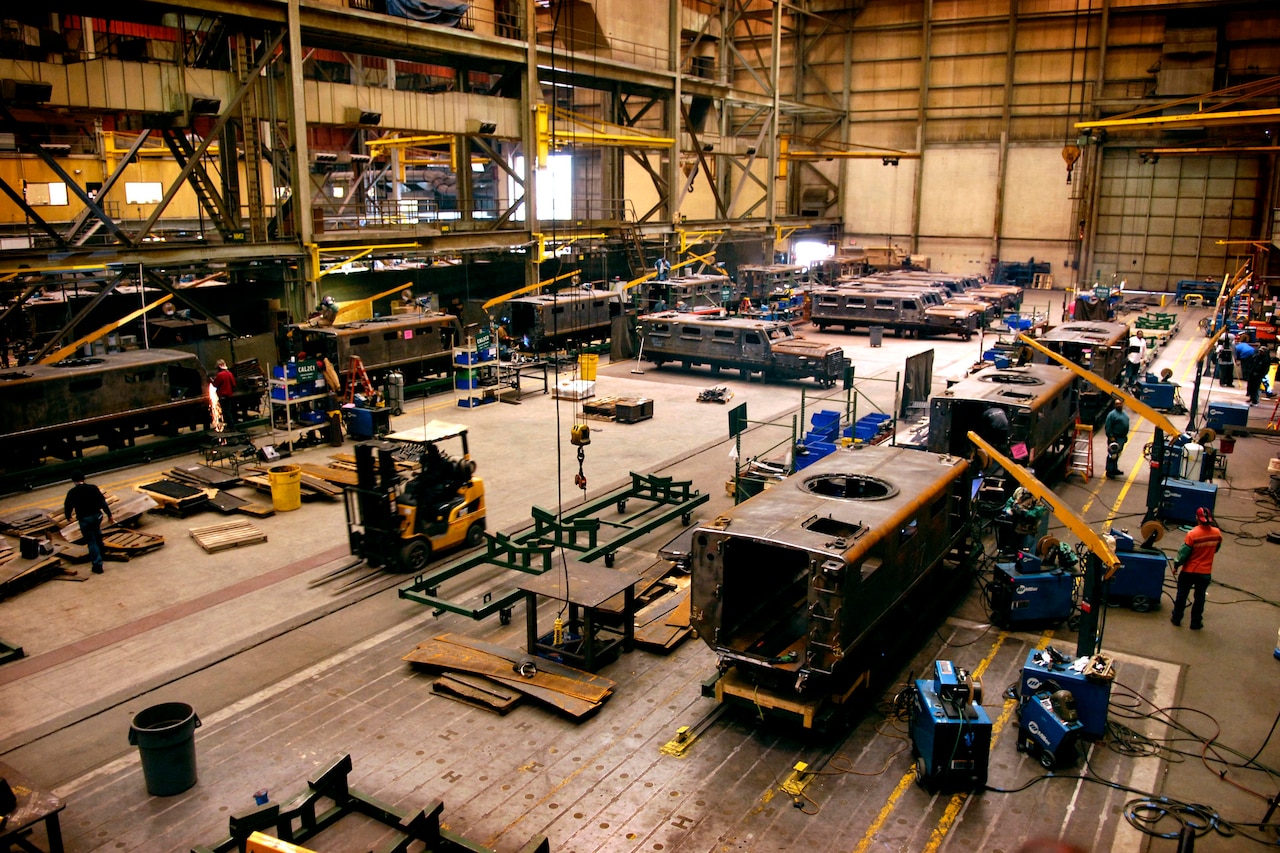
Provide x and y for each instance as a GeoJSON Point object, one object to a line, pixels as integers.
{"type": "Point", "coordinates": [635, 250]}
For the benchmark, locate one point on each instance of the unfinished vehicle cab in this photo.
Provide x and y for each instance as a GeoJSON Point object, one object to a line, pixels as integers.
{"type": "Point", "coordinates": [441, 507]}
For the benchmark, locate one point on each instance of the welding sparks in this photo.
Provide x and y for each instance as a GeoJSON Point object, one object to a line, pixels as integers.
{"type": "Point", "coordinates": [215, 411]}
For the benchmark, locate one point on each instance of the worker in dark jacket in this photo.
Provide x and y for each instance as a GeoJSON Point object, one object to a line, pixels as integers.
{"type": "Point", "coordinates": [1195, 559]}
{"type": "Point", "coordinates": [1116, 429]}
{"type": "Point", "coordinates": [86, 502]}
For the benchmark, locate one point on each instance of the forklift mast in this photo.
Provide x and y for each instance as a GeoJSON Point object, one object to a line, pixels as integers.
{"type": "Point", "coordinates": [373, 521]}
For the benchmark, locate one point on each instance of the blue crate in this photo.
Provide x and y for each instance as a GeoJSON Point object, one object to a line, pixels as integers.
{"type": "Point", "coordinates": [813, 452]}
{"type": "Point", "coordinates": [825, 424]}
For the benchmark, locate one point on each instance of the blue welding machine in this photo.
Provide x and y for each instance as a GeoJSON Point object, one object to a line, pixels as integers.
{"type": "Point", "coordinates": [950, 732]}
{"type": "Point", "coordinates": [1027, 592]}
{"type": "Point", "coordinates": [1049, 728]}
{"type": "Point", "coordinates": [1089, 681]}
{"type": "Point", "coordinates": [1139, 582]}
{"type": "Point", "coordinates": [1180, 498]}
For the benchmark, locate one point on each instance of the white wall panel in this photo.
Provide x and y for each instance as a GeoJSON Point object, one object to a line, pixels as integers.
{"type": "Point", "coordinates": [958, 197]}
{"type": "Point", "coordinates": [1037, 197]}
{"type": "Point", "coordinates": [878, 197]}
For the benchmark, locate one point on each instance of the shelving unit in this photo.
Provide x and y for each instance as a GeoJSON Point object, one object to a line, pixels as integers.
{"type": "Point", "coordinates": [282, 397]}
{"type": "Point", "coordinates": [475, 372]}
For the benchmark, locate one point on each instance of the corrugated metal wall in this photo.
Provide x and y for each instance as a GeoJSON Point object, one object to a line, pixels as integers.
{"type": "Point", "coordinates": [1161, 222]}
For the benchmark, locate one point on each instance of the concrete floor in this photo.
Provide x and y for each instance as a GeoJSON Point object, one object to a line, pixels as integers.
{"type": "Point", "coordinates": [286, 676]}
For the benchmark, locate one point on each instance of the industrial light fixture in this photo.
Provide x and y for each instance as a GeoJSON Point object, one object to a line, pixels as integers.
{"type": "Point", "coordinates": [476, 127]}
{"type": "Point", "coordinates": [889, 161]}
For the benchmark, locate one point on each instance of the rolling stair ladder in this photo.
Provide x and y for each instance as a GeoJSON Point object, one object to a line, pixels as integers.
{"type": "Point", "coordinates": [1081, 459]}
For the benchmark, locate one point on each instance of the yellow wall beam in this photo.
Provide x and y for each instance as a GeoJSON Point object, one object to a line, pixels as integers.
{"type": "Point", "coordinates": [316, 250]}
{"type": "Point", "coordinates": [362, 309]}
{"type": "Point", "coordinates": [403, 142]}
{"type": "Point", "coordinates": [709, 259]}
{"type": "Point", "coordinates": [697, 237]}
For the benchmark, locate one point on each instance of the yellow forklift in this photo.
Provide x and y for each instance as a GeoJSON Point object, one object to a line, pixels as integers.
{"type": "Point", "coordinates": [401, 525]}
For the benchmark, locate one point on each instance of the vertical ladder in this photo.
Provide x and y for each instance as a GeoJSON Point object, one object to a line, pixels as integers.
{"type": "Point", "coordinates": [1081, 458]}
{"type": "Point", "coordinates": [250, 129]}
{"type": "Point", "coordinates": [357, 376]}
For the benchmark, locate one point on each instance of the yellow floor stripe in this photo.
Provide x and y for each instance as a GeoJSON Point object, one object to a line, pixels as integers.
{"type": "Point", "coordinates": [952, 811]}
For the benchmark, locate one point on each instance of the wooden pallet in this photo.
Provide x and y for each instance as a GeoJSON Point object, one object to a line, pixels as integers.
{"type": "Point", "coordinates": [336, 476]}
{"type": "Point", "coordinates": [734, 685]}
{"type": "Point", "coordinates": [311, 486]}
{"type": "Point", "coordinates": [229, 534]}
{"type": "Point", "coordinates": [132, 542]}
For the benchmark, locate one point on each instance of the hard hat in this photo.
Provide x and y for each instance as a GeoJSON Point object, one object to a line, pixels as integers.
{"type": "Point", "coordinates": [1203, 515]}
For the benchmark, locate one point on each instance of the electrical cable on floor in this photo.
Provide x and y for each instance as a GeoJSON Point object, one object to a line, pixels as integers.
{"type": "Point", "coordinates": [1211, 752]}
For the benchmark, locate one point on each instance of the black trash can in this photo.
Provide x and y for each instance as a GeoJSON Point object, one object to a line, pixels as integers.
{"type": "Point", "coordinates": [166, 739]}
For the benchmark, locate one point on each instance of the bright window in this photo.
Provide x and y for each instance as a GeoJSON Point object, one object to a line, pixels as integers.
{"type": "Point", "coordinates": [143, 192]}
{"type": "Point", "coordinates": [51, 195]}
{"type": "Point", "coordinates": [554, 186]}
{"type": "Point", "coordinates": [808, 251]}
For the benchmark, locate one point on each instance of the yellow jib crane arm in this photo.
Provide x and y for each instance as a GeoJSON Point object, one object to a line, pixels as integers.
{"type": "Point", "coordinates": [708, 259]}
{"type": "Point", "coordinates": [59, 355]}
{"type": "Point", "coordinates": [348, 310]}
{"type": "Point", "coordinates": [1141, 408]}
{"type": "Point", "coordinates": [1064, 513]}
{"type": "Point", "coordinates": [526, 289]}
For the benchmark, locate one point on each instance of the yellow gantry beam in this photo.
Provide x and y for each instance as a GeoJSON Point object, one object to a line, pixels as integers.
{"type": "Point", "coordinates": [1139, 407]}
{"type": "Point", "coordinates": [1064, 513]}
{"type": "Point", "coordinates": [1200, 115]}
{"type": "Point", "coordinates": [558, 126]}
{"type": "Point", "coordinates": [1196, 119]}
{"type": "Point", "coordinates": [110, 149]}
{"type": "Point", "coordinates": [1203, 152]}
{"type": "Point", "coordinates": [59, 355]}
{"type": "Point", "coordinates": [359, 252]}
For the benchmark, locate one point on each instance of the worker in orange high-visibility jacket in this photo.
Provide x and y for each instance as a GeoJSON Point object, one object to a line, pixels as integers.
{"type": "Point", "coordinates": [1195, 560]}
